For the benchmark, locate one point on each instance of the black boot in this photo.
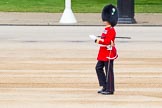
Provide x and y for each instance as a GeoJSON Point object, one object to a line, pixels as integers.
{"type": "Point", "coordinates": [107, 93]}
{"type": "Point", "coordinates": [102, 90]}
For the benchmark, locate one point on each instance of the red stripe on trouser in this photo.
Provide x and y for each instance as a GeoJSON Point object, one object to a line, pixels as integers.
{"type": "Point", "coordinates": [110, 81]}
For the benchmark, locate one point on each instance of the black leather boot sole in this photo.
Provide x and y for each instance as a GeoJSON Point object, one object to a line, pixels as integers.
{"type": "Point", "coordinates": [107, 93]}
{"type": "Point", "coordinates": [102, 90]}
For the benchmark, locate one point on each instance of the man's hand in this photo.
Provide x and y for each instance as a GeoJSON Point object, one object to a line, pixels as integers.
{"type": "Point", "coordinates": [93, 37]}
{"type": "Point", "coordinates": [109, 47]}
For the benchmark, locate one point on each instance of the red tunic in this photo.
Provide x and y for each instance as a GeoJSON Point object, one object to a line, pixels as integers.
{"type": "Point", "coordinates": [108, 35]}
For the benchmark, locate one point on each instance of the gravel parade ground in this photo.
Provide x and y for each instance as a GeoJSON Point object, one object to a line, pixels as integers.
{"type": "Point", "coordinates": [54, 67]}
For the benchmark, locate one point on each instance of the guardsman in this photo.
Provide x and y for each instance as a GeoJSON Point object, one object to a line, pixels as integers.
{"type": "Point", "coordinates": [107, 52]}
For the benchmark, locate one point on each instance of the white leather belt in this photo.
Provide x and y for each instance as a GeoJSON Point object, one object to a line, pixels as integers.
{"type": "Point", "coordinates": [109, 47]}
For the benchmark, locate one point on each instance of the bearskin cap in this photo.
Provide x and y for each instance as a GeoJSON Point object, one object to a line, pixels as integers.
{"type": "Point", "coordinates": [110, 14]}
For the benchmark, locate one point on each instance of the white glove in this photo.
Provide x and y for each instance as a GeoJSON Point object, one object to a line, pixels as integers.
{"type": "Point", "coordinates": [93, 37]}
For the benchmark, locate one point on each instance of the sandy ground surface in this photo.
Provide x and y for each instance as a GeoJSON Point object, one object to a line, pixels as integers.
{"type": "Point", "coordinates": [53, 67]}
{"type": "Point", "coordinates": [18, 18]}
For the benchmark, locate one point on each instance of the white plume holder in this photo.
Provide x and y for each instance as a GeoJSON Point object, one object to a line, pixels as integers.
{"type": "Point", "coordinates": [68, 16]}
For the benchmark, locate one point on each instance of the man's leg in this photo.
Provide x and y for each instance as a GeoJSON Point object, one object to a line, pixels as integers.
{"type": "Point", "coordinates": [100, 73]}
{"type": "Point", "coordinates": [110, 80]}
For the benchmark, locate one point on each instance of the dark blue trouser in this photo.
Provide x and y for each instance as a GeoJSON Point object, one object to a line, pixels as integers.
{"type": "Point", "coordinates": [109, 85]}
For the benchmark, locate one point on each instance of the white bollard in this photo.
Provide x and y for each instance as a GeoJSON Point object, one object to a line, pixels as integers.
{"type": "Point", "coordinates": [68, 16]}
